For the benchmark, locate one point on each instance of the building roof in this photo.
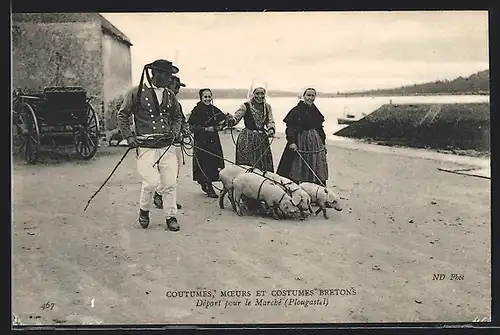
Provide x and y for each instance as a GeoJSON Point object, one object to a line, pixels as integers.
{"type": "Point", "coordinates": [109, 27]}
{"type": "Point", "coordinates": [106, 26]}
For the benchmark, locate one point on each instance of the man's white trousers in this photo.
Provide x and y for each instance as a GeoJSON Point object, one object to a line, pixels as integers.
{"type": "Point", "coordinates": [162, 178]}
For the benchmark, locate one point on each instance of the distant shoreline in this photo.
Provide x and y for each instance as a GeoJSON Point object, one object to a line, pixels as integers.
{"type": "Point", "coordinates": [352, 95]}
{"type": "Point", "coordinates": [475, 84]}
{"type": "Point", "coordinates": [226, 95]}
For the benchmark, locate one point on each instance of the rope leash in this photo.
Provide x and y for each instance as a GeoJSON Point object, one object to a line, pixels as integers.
{"type": "Point", "coordinates": [152, 140]}
{"type": "Point", "coordinates": [235, 142]}
{"type": "Point", "coordinates": [187, 143]}
{"type": "Point", "coordinates": [264, 152]}
{"type": "Point", "coordinates": [190, 145]}
{"type": "Point", "coordinates": [182, 143]}
{"type": "Point", "coordinates": [175, 144]}
{"type": "Point", "coordinates": [310, 169]}
{"type": "Point", "coordinates": [311, 152]}
{"type": "Point", "coordinates": [258, 147]}
{"type": "Point", "coordinates": [225, 159]}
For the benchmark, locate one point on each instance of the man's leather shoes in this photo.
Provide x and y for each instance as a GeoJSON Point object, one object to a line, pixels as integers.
{"type": "Point", "coordinates": [172, 224]}
{"type": "Point", "coordinates": [144, 218]}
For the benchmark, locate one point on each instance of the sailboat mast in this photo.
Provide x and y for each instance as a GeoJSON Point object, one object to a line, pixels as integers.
{"type": "Point", "coordinates": [249, 93]}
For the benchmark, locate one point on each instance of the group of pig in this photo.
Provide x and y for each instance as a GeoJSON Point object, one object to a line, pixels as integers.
{"type": "Point", "coordinates": [279, 196]}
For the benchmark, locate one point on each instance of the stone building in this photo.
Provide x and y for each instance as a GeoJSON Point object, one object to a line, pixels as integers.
{"type": "Point", "coordinates": [72, 49]}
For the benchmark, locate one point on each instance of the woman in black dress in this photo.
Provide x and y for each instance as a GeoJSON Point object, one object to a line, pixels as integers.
{"type": "Point", "coordinates": [305, 135]}
{"type": "Point", "coordinates": [205, 122]}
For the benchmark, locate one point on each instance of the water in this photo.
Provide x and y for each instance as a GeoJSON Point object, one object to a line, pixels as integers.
{"type": "Point", "coordinates": [332, 108]}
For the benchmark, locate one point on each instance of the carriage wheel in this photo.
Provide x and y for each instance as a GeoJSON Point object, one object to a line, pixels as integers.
{"type": "Point", "coordinates": [28, 131]}
{"type": "Point", "coordinates": [87, 136]}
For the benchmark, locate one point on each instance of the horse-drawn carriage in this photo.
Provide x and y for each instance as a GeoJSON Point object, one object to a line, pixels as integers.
{"type": "Point", "coordinates": [56, 116]}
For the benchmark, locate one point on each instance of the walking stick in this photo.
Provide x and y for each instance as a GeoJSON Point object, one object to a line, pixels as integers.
{"type": "Point", "coordinates": [109, 177]}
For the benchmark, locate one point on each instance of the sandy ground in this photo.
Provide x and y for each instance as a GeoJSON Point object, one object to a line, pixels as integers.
{"type": "Point", "coordinates": [403, 222]}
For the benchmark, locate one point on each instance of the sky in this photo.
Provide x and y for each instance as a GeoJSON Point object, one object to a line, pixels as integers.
{"type": "Point", "coordinates": [331, 51]}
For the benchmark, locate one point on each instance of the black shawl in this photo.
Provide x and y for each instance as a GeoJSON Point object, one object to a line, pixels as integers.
{"type": "Point", "coordinates": [303, 117]}
{"type": "Point", "coordinates": [205, 116]}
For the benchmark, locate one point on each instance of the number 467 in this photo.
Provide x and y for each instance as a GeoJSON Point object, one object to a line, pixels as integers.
{"type": "Point", "coordinates": [47, 305]}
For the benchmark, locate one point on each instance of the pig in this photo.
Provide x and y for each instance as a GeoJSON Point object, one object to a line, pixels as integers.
{"type": "Point", "coordinates": [248, 184]}
{"type": "Point", "coordinates": [226, 176]}
{"type": "Point", "coordinates": [300, 198]}
{"type": "Point", "coordinates": [323, 197]}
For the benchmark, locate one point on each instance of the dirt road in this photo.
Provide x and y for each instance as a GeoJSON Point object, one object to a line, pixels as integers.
{"type": "Point", "coordinates": [404, 221]}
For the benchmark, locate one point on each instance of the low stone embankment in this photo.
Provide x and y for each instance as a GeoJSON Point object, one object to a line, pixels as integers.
{"type": "Point", "coordinates": [461, 126]}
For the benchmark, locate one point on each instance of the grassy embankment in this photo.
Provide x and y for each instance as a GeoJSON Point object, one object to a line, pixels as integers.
{"type": "Point", "coordinates": [463, 128]}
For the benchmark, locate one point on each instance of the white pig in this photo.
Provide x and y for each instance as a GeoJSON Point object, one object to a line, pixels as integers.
{"type": "Point", "coordinates": [323, 197]}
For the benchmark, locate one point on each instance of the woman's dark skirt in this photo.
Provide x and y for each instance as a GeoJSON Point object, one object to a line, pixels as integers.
{"type": "Point", "coordinates": [206, 164]}
{"type": "Point", "coordinates": [312, 150]}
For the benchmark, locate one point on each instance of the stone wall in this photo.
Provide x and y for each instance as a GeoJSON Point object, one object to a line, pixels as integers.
{"type": "Point", "coordinates": [58, 54]}
{"type": "Point", "coordinates": [117, 70]}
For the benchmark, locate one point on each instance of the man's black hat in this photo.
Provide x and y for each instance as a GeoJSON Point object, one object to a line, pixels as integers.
{"type": "Point", "coordinates": [177, 80]}
{"type": "Point", "coordinates": [164, 65]}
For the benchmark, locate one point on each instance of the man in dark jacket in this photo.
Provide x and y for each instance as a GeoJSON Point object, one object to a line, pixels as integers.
{"type": "Point", "coordinates": [174, 84]}
{"type": "Point", "coordinates": [158, 120]}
